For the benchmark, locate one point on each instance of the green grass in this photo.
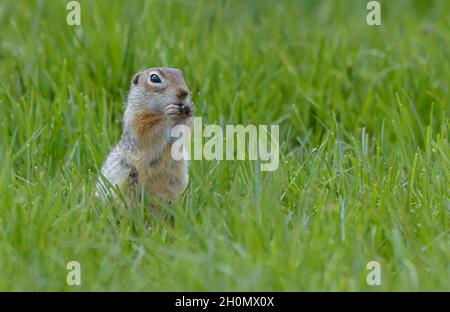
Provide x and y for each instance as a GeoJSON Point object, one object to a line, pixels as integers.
{"type": "Point", "coordinates": [364, 158]}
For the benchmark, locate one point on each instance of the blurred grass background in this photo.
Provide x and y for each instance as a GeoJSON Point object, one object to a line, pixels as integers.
{"type": "Point", "coordinates": [364, 171]}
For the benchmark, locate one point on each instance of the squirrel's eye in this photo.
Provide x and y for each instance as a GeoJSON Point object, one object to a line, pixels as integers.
{"type": "Point", "coordinates": [155, 78]}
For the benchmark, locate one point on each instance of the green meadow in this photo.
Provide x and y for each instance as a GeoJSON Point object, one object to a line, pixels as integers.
{"type": "Point", "coordinates": [364, 164]}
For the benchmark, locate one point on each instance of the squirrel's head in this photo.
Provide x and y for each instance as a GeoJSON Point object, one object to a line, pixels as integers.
{"type": "Point", "coordinates": [157, 87]}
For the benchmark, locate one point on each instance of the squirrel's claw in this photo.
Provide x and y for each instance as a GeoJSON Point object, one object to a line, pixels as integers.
{"type": "Point", "coordinates": [179, 111]}
{"type": "Point", "coordinates": [188, 110]}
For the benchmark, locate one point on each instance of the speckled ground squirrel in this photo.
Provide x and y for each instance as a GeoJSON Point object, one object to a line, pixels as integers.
{"type": "Point", "coordinates": [158, 100]}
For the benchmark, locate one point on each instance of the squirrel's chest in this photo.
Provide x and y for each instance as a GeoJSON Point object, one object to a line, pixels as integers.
{"type": "Point", "coordinates": [163, 176]}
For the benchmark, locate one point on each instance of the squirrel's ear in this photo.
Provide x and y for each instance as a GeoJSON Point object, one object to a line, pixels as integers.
{"type": "Point", "coordinates": [135, 80]}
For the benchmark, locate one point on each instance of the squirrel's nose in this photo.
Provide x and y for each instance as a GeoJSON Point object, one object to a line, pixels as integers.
{"type": "Point", "coordinates": [182, 94]}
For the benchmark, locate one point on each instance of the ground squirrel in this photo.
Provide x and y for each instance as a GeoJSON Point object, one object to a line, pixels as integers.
{"type": "Point", "coordinates": [158, 100]}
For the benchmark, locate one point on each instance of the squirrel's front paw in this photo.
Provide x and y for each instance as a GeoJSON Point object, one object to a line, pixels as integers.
{"type": "Point", "coordinates": [176, 111]}
{"type": "Point", "coordinates": [188, 110]}
{"type": "Point", "coordinates": [172, 111]}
